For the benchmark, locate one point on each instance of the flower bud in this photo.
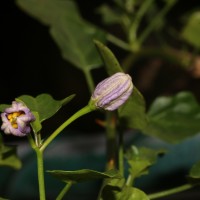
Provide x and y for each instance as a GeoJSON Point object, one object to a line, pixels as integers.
{"type": "Point", "coordinates": [16, 119]}
{"type": "Point", "coordinates": [112, 92]}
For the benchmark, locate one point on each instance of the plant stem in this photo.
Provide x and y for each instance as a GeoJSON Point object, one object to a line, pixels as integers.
{"type": "Point", "coordinates": [78, 114]}
{"type": "Point", "coordinates": [155, 21]}
{"type": "Point", "coordinates": [170, 191]}
{"type": "Point", "coordinates": [64, 190]}
{"type": "Point", "coordinates": [40, 164]}
{"type": "Point", "coordinates": [171, 55]}
{"type": "Point", "coordinates": [121, 153]}
{"type": "Point", "coordinates": [137, 19]}
{"type": "Point", "coordinates": [111, 146]}
{"type": "Point", "coordinates": [111, 140]}
{"type": "Point", "coordinates": [118, 42]}
{"type": "Point", "coordinates": [37, 139]}
{"type": "Point", "coordinates": [89, 80]}
{"type": "Point", "coordinates": [129, 181]}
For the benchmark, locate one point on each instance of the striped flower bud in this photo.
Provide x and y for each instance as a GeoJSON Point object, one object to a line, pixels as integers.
{"type": "Point", "coordinates": [112, 92]}
{"type": "Point", "coordinates": [16, 120]}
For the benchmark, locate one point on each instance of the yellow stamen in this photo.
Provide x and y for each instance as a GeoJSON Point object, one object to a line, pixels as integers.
{"type": "Point", "coordinates": [12, 117]}
{"type": "Point", "coordinates": [15, 125]}
{"type": "Point", "coordinates": [9, 116]}
{"type": "Point", "coordinates": [16, 114]}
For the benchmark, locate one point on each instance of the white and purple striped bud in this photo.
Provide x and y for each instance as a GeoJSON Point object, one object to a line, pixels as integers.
{"type": "Point", "coordinates": [16, 119]}
{"type": "Point", "coordinates": [112, 92]}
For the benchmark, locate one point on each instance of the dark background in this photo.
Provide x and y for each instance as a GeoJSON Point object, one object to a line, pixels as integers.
{"type": "Point", "coordinates": [31, 62]}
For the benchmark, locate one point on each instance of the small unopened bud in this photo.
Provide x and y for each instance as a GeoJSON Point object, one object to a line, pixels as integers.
{"type": "Point", "coordinates": [112, 92]}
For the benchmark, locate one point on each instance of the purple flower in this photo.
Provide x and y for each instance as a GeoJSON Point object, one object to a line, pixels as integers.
{"type": "Point", "coordinates": [112, 92]}
{"type": "Point", "coordinates": [16, 119]}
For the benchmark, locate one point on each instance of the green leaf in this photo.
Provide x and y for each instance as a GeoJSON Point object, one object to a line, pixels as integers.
{"type": "Point", "coordinates": [73, 35]}
{"type": "Point", "coordinates": [1, 198]}
{"type": "Point", "coordinates": [8, 156]}
{"type": "Point", "coordinates": [111, 63]}
{"type": "Point", "coordinates": [3, 107]}
{"type": "Point", "coordinates": [43, 104]}
{"type": "Point", "coordinates": [109, 15]}
{"type": "Point", "coordinates": [112, 188]}
{"type": "Point", "coordinates": [194, 174]}
{"type": "Point", "coordinates": [82, 175]}
{"type": "Point", "coordinates": [140, 159]}
{"type": "Point", "coordinates": [36, 125]}
{"type": "Point", "coordinates": [173, 119]}
{"type": "Point", "coordinates": [191, 31]}
{"type": "Point", "coordinates": [131, 193]}
{"type": "Point", "coordinates": [132, 113]}
{"type": "Point", "coordinates": [115, 189]}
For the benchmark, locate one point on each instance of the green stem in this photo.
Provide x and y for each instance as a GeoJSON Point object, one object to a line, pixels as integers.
{"type": "Point", "coordinates": [40, 164]}
{"type": "Point", "coordinates": [121, 153]}
{"type": "Point", "coordinates": [37, 139]}
{"type": "Point", "coordinates": [111, 140]}
{"type": "Point", "coordinates": [155, 21]}
{"type": "Point", "coordinates": [64, 191]}
{"type": "Point", "coordinates": [111, 146]}
{"type": "Point", "coordinates": [137, 19]}
{"type": "Point", "coordinates": [89, 80]}
{"type": "Point", "coordinates": [78, 114]}
{"type": "Point", "coordinates": [170, 191]}
{"type": "Point", "coordinates": [31, 142]}
{"type": "Point", "coordinates": [129, 181]}
{"type": "Point", "coordinates": [171, 55]}
{"type": "Point", "coordinates": [118, 42]}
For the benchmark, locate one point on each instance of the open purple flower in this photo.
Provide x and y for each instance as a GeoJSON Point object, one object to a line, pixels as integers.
{"type": "Point", "coordinates": [112, 92]}
{"type": "Point", "coordinates": [16, 119]}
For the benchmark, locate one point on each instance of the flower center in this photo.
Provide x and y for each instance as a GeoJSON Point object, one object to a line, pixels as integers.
{"type": "Point", "coordinates": [12, 117]}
